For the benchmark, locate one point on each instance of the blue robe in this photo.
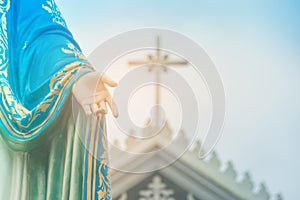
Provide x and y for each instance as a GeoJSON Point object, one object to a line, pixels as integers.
{"type": "Point", "coordinates": [41, 148]}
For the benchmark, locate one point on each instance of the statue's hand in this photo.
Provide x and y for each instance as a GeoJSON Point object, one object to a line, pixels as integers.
{"type": "Point", "coordinates": [90, 91]}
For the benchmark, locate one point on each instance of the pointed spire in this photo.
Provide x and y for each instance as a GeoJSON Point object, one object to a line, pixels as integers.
{"type": "Point", "coordinates": [262, 194]}
{"type": "Point", "coordinates": [279, 197]}
{"type": "Point", "coordinates": [196, 147]}
{"type": "Point", "coordinates": [246, 184]}
{"type": "Point", "coordinates": [214, 161]}
{"type": "Point", "coordinates": [230, 173]}
{"type": "Point", "coordinates": [181, 139]}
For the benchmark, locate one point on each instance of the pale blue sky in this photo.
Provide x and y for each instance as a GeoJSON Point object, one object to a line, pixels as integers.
{"type": "Point", "coordinates": [255, 45]}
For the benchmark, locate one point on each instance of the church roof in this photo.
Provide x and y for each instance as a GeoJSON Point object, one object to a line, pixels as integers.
{"type": "Point", "coordinates": [196, 176]}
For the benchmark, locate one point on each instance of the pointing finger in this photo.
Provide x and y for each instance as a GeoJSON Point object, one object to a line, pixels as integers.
{"type": "Point", "coordinates": [103, 108]}
{"type": "Point", "coordinates": [108, 81]}
{"type": "Point", "coordinates": [113, 106]}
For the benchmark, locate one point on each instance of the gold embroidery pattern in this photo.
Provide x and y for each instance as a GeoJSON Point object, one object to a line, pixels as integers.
{"type": "Point", "coordinates": [97, 165]}
{"type": "Point", "coordinates": [104, 183]}
{"type": "Point", "coordinates": [52, 8]}
{"type": "Point", "coordinates": [74, 51]}
{"type": "Point", "coordinates": [14, 111]}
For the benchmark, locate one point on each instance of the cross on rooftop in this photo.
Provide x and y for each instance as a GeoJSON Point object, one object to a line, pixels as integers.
{"type": "Point", "coordinates": [159, 62]}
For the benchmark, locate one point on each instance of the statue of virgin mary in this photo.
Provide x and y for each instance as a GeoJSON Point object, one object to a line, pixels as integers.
{"type": "Point", "coordinates": [44, 153]}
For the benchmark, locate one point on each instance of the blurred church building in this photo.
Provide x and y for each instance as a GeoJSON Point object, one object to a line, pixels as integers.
{"type": "Point", "coordinates": [188, 178]}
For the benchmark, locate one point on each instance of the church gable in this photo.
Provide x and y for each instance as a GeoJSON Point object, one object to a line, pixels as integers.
{"type": "Point", "coordinates": [156, 187]}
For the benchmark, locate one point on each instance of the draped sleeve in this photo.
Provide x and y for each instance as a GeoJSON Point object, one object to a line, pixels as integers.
{"type": "Point", "coordinates": [39, 62]}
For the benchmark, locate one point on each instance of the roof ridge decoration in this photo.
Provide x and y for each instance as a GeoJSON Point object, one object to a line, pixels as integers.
{"type": "Point", "coordinates": [228, 177]}
{"type": "Point", "coordinates": [245, 186]}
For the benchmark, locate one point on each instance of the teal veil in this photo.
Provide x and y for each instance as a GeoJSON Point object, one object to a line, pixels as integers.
{"type": "Point", "coordinates": [39, 62]}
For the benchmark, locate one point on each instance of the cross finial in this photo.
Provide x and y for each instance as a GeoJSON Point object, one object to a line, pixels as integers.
{"type": "Point", "coordinates": [158, 62]}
